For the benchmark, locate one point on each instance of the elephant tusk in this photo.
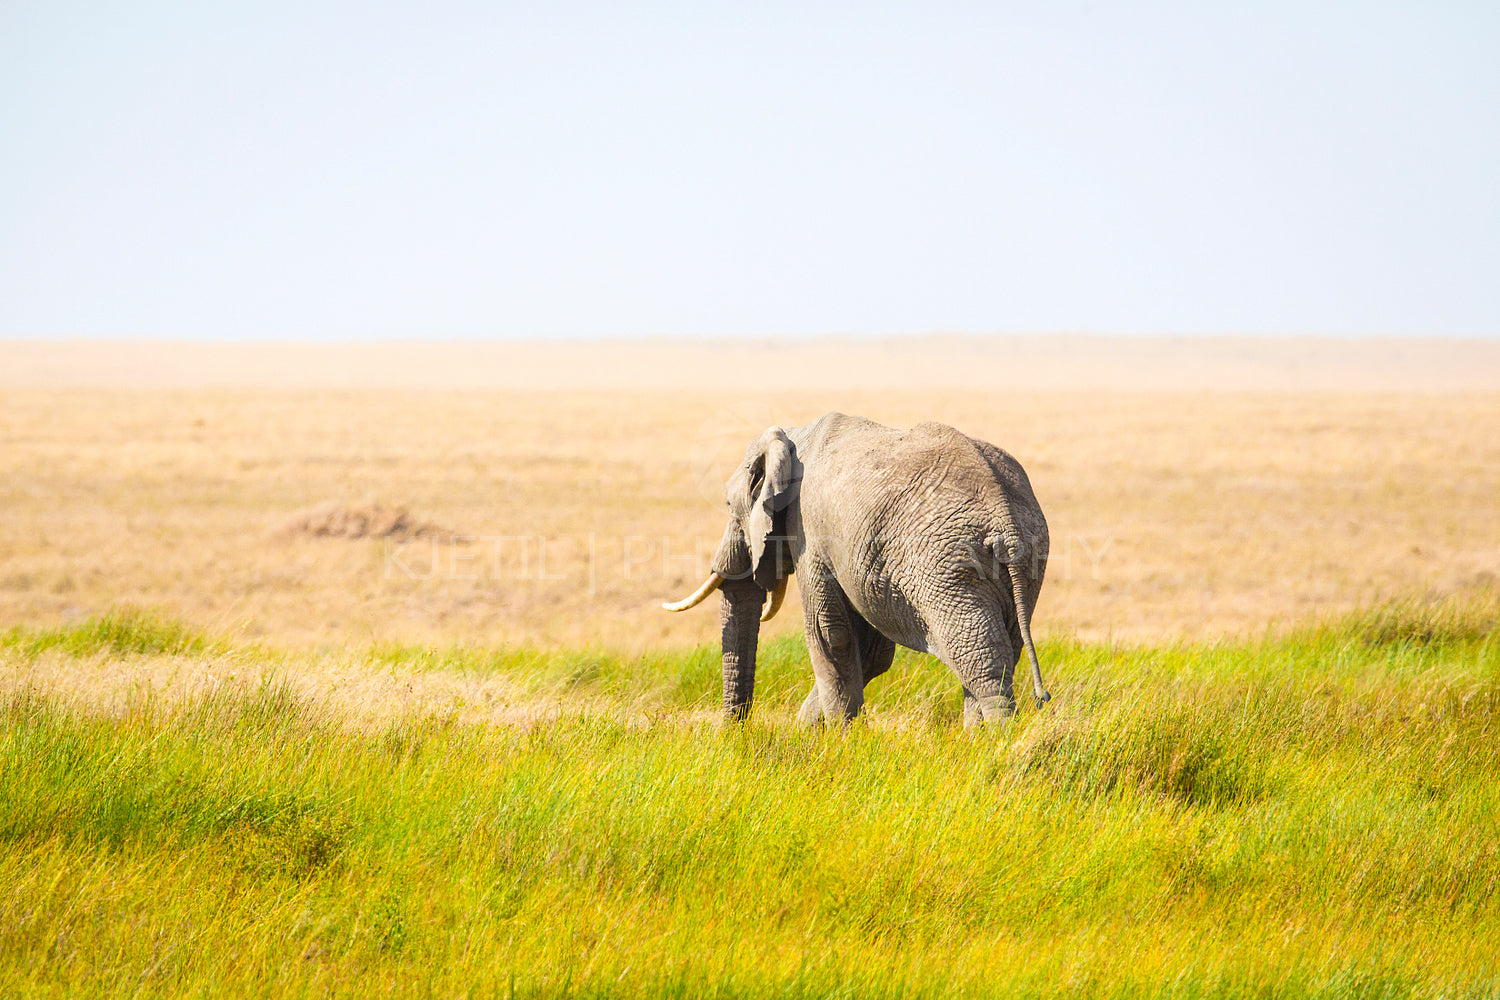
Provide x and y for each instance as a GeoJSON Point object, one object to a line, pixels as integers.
{"type": "Point", "coordinates": [774, 604]}
{"type": "Point", "coordinates": [696, 598]}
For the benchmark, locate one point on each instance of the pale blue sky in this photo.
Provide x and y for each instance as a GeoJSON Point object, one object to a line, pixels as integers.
{"type": "Point", "coordinates": [445, 170]}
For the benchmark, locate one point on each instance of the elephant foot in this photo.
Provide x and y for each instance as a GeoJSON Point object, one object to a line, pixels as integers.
{"type": "Point", "coordinates": [811, 712]}
{"type": "Point", "coordinates": [997, 709]}
{"type": "Point", "coordinates": [814, 713]}
{"type": "Point", "coordinates": [972, 715]}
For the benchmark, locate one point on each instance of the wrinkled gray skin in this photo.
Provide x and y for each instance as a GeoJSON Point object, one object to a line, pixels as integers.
{"type": "Point", "coordinates": [923, 537]}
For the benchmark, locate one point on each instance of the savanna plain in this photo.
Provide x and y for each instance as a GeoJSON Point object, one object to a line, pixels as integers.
{"type": "Point", "coordinates": [341, 671]}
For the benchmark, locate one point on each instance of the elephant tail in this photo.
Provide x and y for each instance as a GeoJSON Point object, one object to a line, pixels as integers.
{"type": "Point", "coordinates": [1013, 557]}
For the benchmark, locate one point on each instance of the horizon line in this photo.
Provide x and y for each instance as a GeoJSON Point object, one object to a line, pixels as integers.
{"type": "Point", "coordinates": [752, 338]}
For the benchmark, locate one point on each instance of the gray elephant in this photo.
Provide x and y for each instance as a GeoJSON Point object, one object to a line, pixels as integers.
{"type": "Point", "coordinates": [924, 537]}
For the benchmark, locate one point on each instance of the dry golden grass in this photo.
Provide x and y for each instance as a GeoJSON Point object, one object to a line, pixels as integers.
{"type": "Point", "coordinates": [1249, 484]}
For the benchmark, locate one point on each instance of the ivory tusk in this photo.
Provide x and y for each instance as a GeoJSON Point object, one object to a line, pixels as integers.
{"type": "Point", "coordinates": [696, 598]}
{"type": "Point", "coordinates": [774, 604]}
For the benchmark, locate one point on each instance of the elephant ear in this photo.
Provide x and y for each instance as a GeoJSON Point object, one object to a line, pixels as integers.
{"type": "Point", "coordinates": [778, 485]}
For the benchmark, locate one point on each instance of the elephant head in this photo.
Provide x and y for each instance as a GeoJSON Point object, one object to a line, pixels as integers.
{"type": "Point", "coordinates": [753, 560]}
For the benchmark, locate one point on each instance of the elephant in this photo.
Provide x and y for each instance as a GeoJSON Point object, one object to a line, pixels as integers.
{"type": "Point", "coordinates": [926, 538]}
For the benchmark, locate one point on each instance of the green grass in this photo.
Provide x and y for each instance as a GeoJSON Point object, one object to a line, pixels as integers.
{"type": "Point", "coordinates": [126, 632]}
{"type": "Point", "coordinates": [1307, 815]}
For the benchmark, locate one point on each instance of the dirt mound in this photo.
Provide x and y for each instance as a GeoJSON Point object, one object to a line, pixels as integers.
{"type": "Point", "coordinates": [367, 520]}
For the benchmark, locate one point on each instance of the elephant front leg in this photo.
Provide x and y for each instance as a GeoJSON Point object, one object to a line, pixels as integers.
{"type": "Point", "coordinates": [876, 653]}
{"type": "Point", "coordinates": [811, 712]}
{"type": "Point", "coordinates": [833, 646]}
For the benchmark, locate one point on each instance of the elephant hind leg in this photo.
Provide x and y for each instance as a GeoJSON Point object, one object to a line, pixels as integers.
{"type": "Point", "coordinates": [996, 708]}
{"type": "Point", "coordinates": [972, 715]}
{"type": "Point", "coordinates": [983, 657]}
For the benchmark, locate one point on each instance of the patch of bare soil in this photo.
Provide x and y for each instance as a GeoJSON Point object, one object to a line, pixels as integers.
{"type": "Point", "coordinates": [368, 520]}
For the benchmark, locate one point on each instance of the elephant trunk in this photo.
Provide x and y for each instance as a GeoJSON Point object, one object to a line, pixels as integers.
{"type": "Point", "coordinates": [740, 607]}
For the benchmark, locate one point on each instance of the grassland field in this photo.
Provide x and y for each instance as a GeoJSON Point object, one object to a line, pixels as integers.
{"type": "Point", "coordinates": [241, 758]}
